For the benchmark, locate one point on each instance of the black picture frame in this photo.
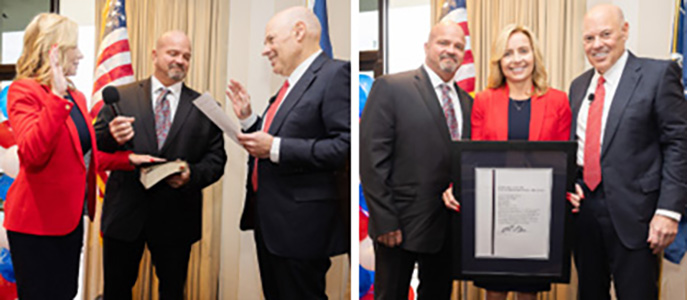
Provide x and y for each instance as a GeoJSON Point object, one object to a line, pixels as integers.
{"type": "Point", "coordinates": [468, 155]}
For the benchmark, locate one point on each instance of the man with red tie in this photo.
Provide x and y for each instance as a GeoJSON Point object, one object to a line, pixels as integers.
{"type": "Point", "coordinates": [630, 122]}
{"type": "Point", "coordinates": [298, 149]}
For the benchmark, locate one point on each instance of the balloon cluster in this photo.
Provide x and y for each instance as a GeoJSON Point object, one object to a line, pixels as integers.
{"type": "Point", "coordinates": [9, 167]}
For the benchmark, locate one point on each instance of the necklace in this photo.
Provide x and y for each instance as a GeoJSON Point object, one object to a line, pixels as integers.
{"type": "Point", "coordinates": [519, 105]}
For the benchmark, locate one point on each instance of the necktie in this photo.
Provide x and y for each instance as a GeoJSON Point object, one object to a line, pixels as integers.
{"type": "Point", "coordinates": [162, 120]}
{"type": "Point", "coordinates": [449, 113]}
{"type": "Point", "coordinates": [269, 116]}
{"type": "Point", "coordinates": [592, 138]}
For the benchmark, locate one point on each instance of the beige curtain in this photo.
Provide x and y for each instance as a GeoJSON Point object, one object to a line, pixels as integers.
{"type": "Point", "coordinates": [558, 27]}
{"type": "Point", "coordinates": [206, 23]}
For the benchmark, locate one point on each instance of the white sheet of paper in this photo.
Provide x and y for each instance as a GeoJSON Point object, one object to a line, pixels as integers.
{"type": "Point", "coordinates": [513, 212]}
{"type": "Point", "coordinates": [216, 114]}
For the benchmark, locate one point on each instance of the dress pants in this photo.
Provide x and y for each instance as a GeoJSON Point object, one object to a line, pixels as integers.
{"type": "Point", "coordinates": [46, 267]}
{"type": "Point", "coordinates": [600, 255]}
{"type": "Point", "coordinates": [121, 260]}
{"type": "Point", "coordinates": [394, 268]}
{"type": "Point", "coordinates": [290, 278]}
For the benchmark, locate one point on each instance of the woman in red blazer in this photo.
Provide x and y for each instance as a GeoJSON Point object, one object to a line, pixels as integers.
{"type": "Point", "coordinates": [518, 104]}
{"type": "Point", "coordinates": [55, 186]}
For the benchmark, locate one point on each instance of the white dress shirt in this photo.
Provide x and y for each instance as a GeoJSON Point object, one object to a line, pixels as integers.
{"type": "Point", "coordinates": [293, 79]}
{"type": "Point", "coordinates": [453, 94]}
{"type": "Point", "coordinates": [172, 97]}
{"type": "Point", "coordinates": [612, 77]}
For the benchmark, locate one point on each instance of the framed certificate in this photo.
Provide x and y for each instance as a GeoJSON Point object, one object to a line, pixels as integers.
{"type": "Point", "coordinates": [514, 219]}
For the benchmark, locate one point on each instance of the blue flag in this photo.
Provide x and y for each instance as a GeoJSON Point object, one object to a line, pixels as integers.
{"type": "Point", "coordinates": [320, 10]}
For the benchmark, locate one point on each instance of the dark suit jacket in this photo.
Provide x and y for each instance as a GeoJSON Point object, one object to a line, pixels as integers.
{"type": "Point", "coordinates": [297, 205]}
{"type": "Point", "coordinates": [405, 159]}
{"type": "Point", "coordinates": [644, 149]}
{"type": "Point", "coordinates": [549, 116]}
{"type": "Point", "coordinates": [165, 215]}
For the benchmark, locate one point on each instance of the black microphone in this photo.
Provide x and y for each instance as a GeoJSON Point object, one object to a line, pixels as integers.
{"type": "Point", "coordinates": [111, 97]}
{"type": "Point", "coordinates": [591, 97]}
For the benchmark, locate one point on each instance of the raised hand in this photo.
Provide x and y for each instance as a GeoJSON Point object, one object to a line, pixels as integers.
{"type": "Point", "coordinates": [240, 100]}
{"type": "Point", "coordinates": [59, 81]}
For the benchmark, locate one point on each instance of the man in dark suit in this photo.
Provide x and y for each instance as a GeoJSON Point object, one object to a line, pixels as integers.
{"type": "Point", "coordinates": [298, 149]}
{"type": "Point", "coordinates": [630, 121]}
{"type": "Point", "coordinates": [406, 130]}
{"type": "Point", "coordinates": [161, 121]}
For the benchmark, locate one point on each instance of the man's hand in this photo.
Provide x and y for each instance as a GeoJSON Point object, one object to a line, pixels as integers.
{"type": "Point", "coordinates": [576, 198]}
{"type": "Point", "coordinates": [391, 239]}
{"type": "Point", "coordinates": [258, 143]}
{"type": "Point", "coordinates": [121, 129]}
{"type": "Point", "coordinates": [138, 159]}
{"type": "Point", "coordinates": [449, 200]}
{"type": "Point", "coordinates": [178, 180]}
{"type": "Point", "coordinates": [662, 231]}
{"type": "Point", "coordinates": [240, 100]}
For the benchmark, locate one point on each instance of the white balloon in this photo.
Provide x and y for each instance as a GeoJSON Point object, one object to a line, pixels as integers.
{"type": "Point", "coordinates": [9, 162]}
{"type": "Point", "coordinates": [367, 254]}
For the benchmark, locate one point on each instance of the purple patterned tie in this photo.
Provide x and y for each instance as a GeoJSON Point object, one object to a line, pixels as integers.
{"type": "Point", "coordinates": [162, 121]}
{"type": "Point", "coordinates": [449, 113]}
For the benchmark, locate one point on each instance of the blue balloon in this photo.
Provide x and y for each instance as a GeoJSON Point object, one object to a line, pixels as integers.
{"type": "Point", "coordinates": [3, 100]}
{"type": "Point", "coordinates": [366, 278]}
{"type": "Point", "coordinates": [365, 86]}
{"type": "Point", "coordinates": [6, 269]}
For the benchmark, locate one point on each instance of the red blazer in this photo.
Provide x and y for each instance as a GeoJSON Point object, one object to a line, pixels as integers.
{"type": "Point", "coordinates": [47, 197]}
{"type": "Point", "coordinates": [549, 119]}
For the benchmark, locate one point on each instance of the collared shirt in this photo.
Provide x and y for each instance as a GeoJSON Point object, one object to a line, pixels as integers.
{"type": "Point", "coordinates": [612, 77]}
{"type": "Point", "coordinates": [172, 96]}
{"type": "Point", "coordinates": [293, 79]}
{"type": "Point", "coordinates": [453, 94]}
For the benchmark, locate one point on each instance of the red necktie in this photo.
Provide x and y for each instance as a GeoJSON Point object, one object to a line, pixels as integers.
{"type": "Point", "coordinates": [592, 138]}
{"type": "Point", "coordinates": [266, 127]}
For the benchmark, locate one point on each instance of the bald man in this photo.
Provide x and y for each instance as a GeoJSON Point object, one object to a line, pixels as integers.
{"type": "Point", "coordinates": [406, 131]}
{"type": "Point", "coordinates": [630, 122]}
{"type": "Point", "coordinates": [298, 149]}
{"type": "Point", "coordinates": [157, 118]}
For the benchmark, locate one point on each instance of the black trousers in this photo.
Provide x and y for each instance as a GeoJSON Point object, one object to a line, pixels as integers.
{"type": "Point", "coordinates": [290, 278]}
{"type": "Point", "coordinates": [394, 268]}
{"type": "Point", "coordinates": [46, 267]}
{"type": "Point", "coordinates": [600, 255]}
{"type": "Point", "coordinates": [121, 260]}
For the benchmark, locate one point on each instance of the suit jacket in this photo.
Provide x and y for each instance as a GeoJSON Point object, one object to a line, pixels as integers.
{"type": "Point", "coordinates": [644, 148]}
{"type": "Point", "coordinates": [47, 197]}
{"type": "Point", "coordinates": [297, 205]}
{"type": "Point", "coordinates": [549, 116]}
{"type": "Point", "coordinates": [163, 214]}
{"type": "Point", "coordinates": [405, 159]}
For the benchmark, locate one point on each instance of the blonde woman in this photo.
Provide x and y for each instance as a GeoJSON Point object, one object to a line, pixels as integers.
{"type": "Point", "coordinates": [518, 104]}
{"type": "Point", "coordinates": [55, 186]}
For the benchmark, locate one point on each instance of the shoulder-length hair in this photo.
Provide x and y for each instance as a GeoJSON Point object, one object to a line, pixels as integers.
{"type": "Point", "coordinates": [45, 30]}
{"type": "Point", "coordinates": [498, 49]}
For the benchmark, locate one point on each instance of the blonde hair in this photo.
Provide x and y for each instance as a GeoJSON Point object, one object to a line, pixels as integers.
{"type": "Point", "coordinates": [45, 30]}
{"type": "Point", "coordinates": [498, 49]}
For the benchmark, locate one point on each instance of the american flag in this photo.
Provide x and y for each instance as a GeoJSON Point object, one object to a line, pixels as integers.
{"type": "Point", "coordinates": [113, 66]}
{"type": "Point", "coordinates": [456, 11]}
